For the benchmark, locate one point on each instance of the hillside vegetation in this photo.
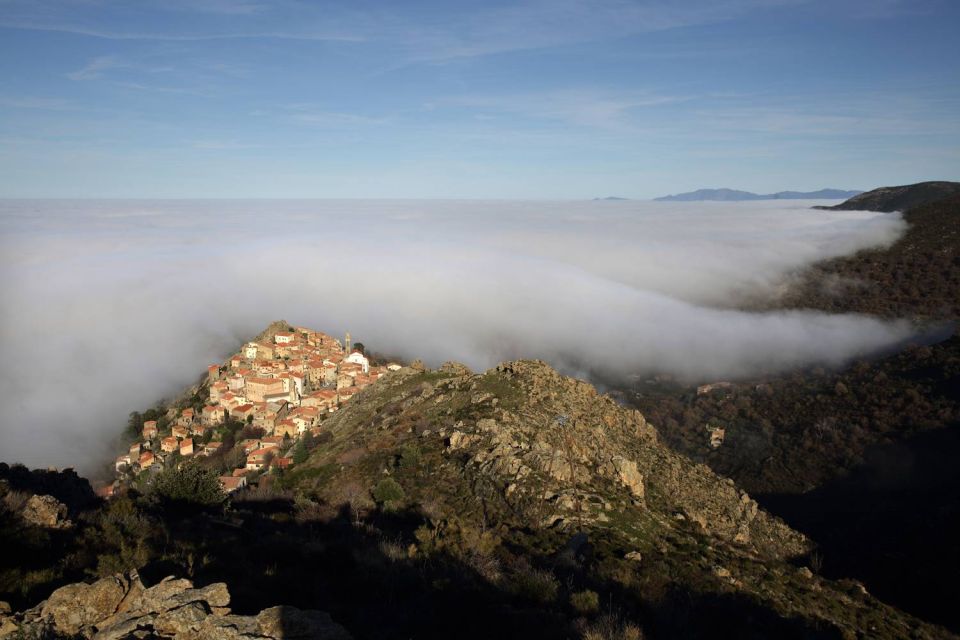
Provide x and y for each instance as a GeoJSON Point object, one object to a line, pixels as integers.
{"type": "Point", "coordinates": [917, 277]}
{"type": "Point", "coordinates": [838, 453]}
{"type": "Point", "coordinates": [513, 503]}
{"type": "Point", "coordinates": [900, 198]}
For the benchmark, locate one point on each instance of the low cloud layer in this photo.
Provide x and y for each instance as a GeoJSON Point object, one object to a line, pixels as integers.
{"type": "Point", "coordinates": [109, 306]}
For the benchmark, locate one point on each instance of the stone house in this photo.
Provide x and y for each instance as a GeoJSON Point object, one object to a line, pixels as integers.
{"type": "Point", "coordinates": [257, 388]}
{"type": "Point", "coordinates": [242, 412]}
{"type": "Point", "coordinates": [212, 415]}
{"type": "Point", "coordinates": [233, 483]}
{"type": "Point", "coordinates": [149, 429]}
{"type": "Point", "coordinates": [146, 459]}
{"type": "Point", "coordinates": [256, 460]}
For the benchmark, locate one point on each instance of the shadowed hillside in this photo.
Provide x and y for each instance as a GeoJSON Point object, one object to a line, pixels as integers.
{"type": "Point", "coordinates": [805, 442]}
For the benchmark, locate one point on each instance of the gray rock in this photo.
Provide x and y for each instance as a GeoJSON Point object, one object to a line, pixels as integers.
{"type": "Point", "coordinates": [121, 608]}
{"type": "Point", "coordinates": [47, 512]}
{"type": "Point", "coordinates": [289, 622]}
{"type": "Point", "coordinates": [456, 368]}
{"type": "Point", "coordinates": [77, 607]}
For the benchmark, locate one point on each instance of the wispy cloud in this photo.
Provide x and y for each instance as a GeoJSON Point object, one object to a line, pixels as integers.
{"type": "Point", "coordinates": [542, 24]}
{"type": "Point", "coordinates": [223, 145]}
{"type": "Point", "coordinates": [96, 67]}
{"type": "Point", "coordinates": [220, 7]}
{"type": "Point", "coordinates": [581, 107]}
{"type": "Point", "coordinates": [110, 34]}
{"type": "Point", "coordinates": [32, 102]}
{"type": "Point", "coordinates": [318, 116]}
{"type": "Point", "coordinates": [835, 115]}
{"type": "Point", "coordinates": [420, 34]}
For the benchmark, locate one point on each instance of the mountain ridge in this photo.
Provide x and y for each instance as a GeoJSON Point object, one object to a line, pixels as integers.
{"type": "Point", "coordinates": [899, 198]}
{"type": "Point", "coordinates": [734, 195]}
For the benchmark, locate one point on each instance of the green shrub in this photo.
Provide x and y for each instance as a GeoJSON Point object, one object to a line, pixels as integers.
{"type": "Point", "coordinates": [536, 585]}
{"type": "Point", "coordinates": [388, 492]}
{"type": "Point", "coordinates": [410, 456]}
{"type": "Point", "coordinates": [585, 602]}
{"type": "Point", "coordinates": [189, 486]}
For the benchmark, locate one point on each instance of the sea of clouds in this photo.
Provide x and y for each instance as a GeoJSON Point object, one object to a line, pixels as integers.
{"type": "Point", "coordinates": [109, 306]}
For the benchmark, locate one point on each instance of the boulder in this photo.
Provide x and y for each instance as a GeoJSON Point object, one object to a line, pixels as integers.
{"type": "Point", "coordinates": [629, 475]}
{"type": "Point", "coordinates": [120, 607]}
{"type": "Point", "coordinates": [456, 368]}
{"type": "Point", "coordinates": [77, 607]}
{"type": "Point", "coordinates": [47, 512]}
{"type": "Point", "coordinates": [290, 622]}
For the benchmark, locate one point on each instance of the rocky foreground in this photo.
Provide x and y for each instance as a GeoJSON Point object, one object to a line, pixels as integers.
{"type": "Point", "coordinates": [120, 607]}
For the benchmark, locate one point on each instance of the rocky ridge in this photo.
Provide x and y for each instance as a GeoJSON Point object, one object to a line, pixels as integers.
{"type": "Point", "coordinates": [901, 198]}
{"type": "Point", "coordinates": [522, 447]}
{"type": "Point", "coordinates": [120, 606]}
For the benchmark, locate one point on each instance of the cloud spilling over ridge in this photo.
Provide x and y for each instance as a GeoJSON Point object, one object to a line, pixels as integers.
{"type": "Point", "coordinates": [109, 306]}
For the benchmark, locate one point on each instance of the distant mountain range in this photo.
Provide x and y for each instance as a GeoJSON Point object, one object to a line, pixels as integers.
{"type": "Point", "coordinates": [733, 195]}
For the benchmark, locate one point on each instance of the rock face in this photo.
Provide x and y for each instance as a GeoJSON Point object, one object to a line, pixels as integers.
{"type": "Point", "coordinates": [549, 451]}
{"type": "Point", "coordinates": [122, 607]}
{"type": "Point", "coordinates": [47, 512]}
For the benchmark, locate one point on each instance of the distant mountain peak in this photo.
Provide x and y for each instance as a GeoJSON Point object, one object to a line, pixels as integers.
{"type": "Point", "coordinates": [734, 195]}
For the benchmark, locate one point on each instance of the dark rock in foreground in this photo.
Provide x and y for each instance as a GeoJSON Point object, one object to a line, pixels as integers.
{"type": "Point", "coordinates": [120, 606]}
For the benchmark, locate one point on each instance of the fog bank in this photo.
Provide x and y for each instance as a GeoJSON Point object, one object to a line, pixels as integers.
{"type": "Point", "coordinates": [110, 305]}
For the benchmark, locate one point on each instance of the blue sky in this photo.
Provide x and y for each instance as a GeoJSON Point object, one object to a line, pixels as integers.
{"type": "Point", "coordinates": [531, 99]}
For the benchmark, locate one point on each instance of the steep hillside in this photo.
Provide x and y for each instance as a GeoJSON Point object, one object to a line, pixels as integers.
{"type": "Point", "coordinates": [899, 198]}
{"type": "Point", "coordinates": [917, 277]}
{"type": "Point", "coordinates": [868, 449]}
{"type": "Point", "coordinates": [516, 503]}
{"type": "Point", "coordinates": [813, 444]}
{"type": "Point", "coordinates": [540, 460]}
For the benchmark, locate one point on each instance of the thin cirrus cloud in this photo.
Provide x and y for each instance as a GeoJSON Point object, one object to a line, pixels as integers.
{"type": "Point", "coordinates": [116, 304]}
{"type": "Point", "coordinates": [96, 67]}
{"type": "Point", "coordinates": [422, 32]}
{"type": "Point", "coordinates": [587, 107]}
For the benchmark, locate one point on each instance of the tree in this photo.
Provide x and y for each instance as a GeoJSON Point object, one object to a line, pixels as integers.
{"type": "Point", "coordinates": [388, 492]}
{"type": "Point", "coordinates": [190, 487]}
{"type": "Point", "coordinates": [300, 453]}
{"type": "Point", "coordinates": [358, 346]}
{"type": "Point", "coordinates": [134, 424]}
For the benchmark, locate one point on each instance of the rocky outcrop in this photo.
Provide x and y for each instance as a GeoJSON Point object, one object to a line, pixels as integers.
{"type": "Point", "coordinates": [46, 512]}
{"type": "Point", "coordinates": [456, 368]}
{"type": "Point", "coordinates": [546, 450]}
{"type": "Point", "coordinates": [120, 607]}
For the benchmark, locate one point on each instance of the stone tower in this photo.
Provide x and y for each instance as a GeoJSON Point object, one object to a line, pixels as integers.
{"type": "Point", "coordinates": [346, 343]}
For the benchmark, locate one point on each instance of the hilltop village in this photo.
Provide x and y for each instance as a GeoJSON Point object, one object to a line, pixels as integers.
{"type": "Point", "coordinates": [255, 414]}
